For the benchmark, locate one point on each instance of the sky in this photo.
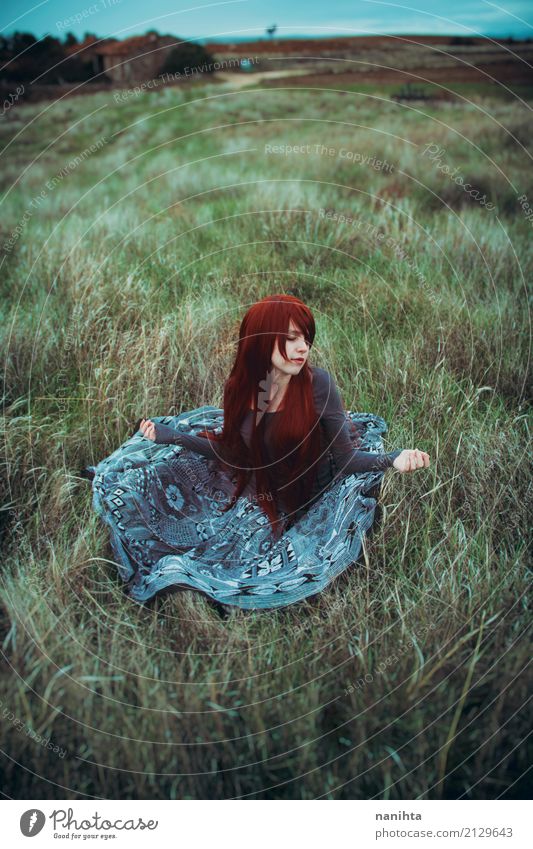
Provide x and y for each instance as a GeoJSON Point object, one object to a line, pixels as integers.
{"type": "Point", "coordinates": [226, 19]}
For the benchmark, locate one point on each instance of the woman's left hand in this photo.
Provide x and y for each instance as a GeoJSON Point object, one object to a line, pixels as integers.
{"type": "Point", "coordinates": [148, 429]}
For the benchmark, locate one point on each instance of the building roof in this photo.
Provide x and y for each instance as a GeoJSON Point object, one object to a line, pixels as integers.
{"type": "Point", "coordinates": [91, 44]}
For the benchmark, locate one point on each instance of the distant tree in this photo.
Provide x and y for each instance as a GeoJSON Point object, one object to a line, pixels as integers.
{"type": "Point", "coordinates": [30, 58]}
{"type": "Point", "coordinates": [46, 60]}
{"type": "Point", "coordinates": [462, 40]}
{"type": "Point", "coordinates": [70, 40]}
{"type": "Point", "coordinates": [187, 57]}
{"type": "Point", "coordinates": [77, 67]}
{"type": "Point", "coordinates": [46, 55]}
{"type": "Point", "coordinates": [19, 41]}
{"type": "Point", "coordinates": [271, 30]}
{"type": "Point", "coordinates": [4, 49]}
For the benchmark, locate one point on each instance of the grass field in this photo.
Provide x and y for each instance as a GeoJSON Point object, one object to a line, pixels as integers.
{"type": "Point", "coordinates": [123, 281]}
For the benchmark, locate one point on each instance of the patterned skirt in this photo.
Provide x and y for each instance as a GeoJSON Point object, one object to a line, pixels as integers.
{"type": "Point", "coordinates": [163, 506]}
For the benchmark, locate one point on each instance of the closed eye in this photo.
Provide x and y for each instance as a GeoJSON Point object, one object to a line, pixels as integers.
{"type": "Point", "coordinates": [293, 339]}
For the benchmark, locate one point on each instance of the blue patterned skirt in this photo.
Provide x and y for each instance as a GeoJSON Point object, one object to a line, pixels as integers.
{"type": "Point", "coordinates": [162, 504]}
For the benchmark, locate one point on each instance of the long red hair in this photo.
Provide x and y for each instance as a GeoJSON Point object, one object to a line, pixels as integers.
{"type": "Point", "coordinates": [295, 434]}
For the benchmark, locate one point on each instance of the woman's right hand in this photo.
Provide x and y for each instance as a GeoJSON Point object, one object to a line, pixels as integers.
{"type": "Point", "coordinates": [410, 460]}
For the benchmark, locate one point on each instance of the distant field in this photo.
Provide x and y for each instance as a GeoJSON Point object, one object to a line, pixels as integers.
{"type": "Point", "coordinates": [396, 59]}
{"type": "Point", "coordinates": [124, 277]}
{"type": "Point", "coordinates": [454, 91]}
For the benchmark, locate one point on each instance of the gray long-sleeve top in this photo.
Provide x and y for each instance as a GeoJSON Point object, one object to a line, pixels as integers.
{"type": "Point", "coordinates": [334, 437]}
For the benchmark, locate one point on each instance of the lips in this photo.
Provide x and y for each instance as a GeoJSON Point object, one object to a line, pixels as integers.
{"type": "Point", "coordinates": [298, 360]}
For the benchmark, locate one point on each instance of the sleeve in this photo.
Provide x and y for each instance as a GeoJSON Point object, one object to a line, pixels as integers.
{"type": "Point", "coordinates": [333, 418]}
{"type": "Point", "coordinates": [167, 435]}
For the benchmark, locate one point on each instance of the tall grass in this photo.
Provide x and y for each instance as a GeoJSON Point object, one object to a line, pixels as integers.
{"type": "Point", "coordinates": [122, 297]}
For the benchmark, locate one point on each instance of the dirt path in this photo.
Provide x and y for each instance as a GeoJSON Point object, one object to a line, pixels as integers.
{"type": "Point", "coordinates": [240, 80]}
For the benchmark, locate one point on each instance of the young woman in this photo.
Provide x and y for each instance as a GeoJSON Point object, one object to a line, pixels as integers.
{"type": "Point", "coordinates": [269, 501]}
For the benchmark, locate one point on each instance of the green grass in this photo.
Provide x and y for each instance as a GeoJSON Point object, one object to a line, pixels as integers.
{"type": "Point", "coordinates": [472, 91]}
{"type": "Point", "coordinates": [122, 297]}
{"type": "Point", "coordinates": [457, 92]}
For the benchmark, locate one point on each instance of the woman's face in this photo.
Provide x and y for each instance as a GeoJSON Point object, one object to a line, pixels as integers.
{"type": "Point", "coordinates": [296, 347]}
